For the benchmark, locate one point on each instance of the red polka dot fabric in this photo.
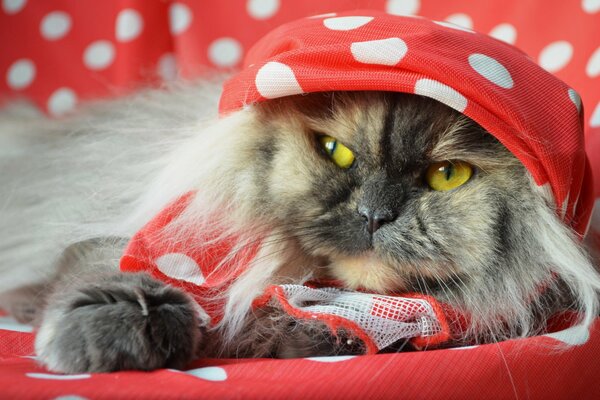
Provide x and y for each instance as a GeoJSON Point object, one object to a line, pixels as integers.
{"type": "Point", "coordinates": [182, 263]}
{"type": "Point", "coordinates": [562, 365]}
{"type": "Point", "coordinates": [99, 49]}
{"type": "Point", "coordinates": [60, 53]}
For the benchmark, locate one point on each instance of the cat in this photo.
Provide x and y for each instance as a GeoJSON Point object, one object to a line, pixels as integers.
{"type": "Point", "coordinates": [347, 186]}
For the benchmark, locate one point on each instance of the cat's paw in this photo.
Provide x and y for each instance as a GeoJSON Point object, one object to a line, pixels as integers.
{"type": "Point", "coordinates": [118, 322]}
{"type": "Point", "coordinates": [315, 339]}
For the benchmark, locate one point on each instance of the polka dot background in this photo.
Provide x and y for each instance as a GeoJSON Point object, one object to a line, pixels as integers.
{"type": "Point", "coordinates": [114, 46]}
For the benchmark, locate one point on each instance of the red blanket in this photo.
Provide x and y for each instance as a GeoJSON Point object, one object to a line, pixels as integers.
{"type": "Point", "coordinates": [536, 368]}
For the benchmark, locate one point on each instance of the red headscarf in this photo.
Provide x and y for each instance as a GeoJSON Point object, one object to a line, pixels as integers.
{"type": "Point", "coordinates": [533, 113]}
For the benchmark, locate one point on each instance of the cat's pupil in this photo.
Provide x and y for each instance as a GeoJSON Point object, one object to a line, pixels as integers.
{"type": "Point", "coordinates": [448, 171]}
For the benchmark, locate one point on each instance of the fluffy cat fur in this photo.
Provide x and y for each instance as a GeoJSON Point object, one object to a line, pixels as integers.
{"type": "Point", "coordinates": [493, 247]}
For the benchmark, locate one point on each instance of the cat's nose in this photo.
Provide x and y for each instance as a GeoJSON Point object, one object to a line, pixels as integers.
{"type": "Point", "coordinates": [375, 219]}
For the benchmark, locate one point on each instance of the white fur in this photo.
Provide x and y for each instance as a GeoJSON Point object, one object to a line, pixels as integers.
{"type": "Point", "coordinates": [93, 175]}
{"type": "Point", "coordinates": [566, 257]}
{"type": "Point", "coordinates": [44, 336]}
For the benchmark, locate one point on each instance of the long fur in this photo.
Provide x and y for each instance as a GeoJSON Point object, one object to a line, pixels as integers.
{"type": "Point", "coordinates": [94, 175]}
{"type": "Point", "coordinates": [106, 172]}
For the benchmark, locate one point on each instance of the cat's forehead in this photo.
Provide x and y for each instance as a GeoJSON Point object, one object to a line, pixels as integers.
{"type": "Point", "coordinates": [399, 128]}
{"type": "Point", "coordinates": [355, 120]}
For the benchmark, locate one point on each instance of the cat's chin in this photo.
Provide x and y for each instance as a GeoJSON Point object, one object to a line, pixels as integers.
{"type": "Point", "coordinates": [365, 272]}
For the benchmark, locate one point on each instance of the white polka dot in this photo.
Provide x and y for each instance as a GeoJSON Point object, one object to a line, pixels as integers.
{"type": "Point", "coordinates": [20, 74]}
{"type": "Point", "coordinates": [403, 7]}
{"type": "Point", "coordinates": [70, 397]}
{"type": "Point", "coordinates": [590, 6]}
{"type": "Point", "coordinates": [595, 118]}
{"type": "Point", "coordinates": [453, 26]}
{"type": "Point", "coordinates": [384, 52]}
{"type": "Point", "coordinates": [442, 93]}
{"type": "Point", "coordinates": [332, 14]}
{"type": "Point", "coordinates": [13, 6]}
{"type": "Point", "coordinates": [556, 55]}
{"type": "Point", "coordinates": [10, 324]}
{"type": "Point", "coordinates": [330, 358]}
{"type": "Point", "coordinates": [491, 70]}
{"type": "Point", "coordinates": [215, 374]}
{"type": "Point", "coordinates": [37, 375]}
{"type": "Point", "coordinates": [575, 98]}
{"type": "Point", "coordinates": [505, 32]}
{"type": "Point", "coordinates": [167, 67]}
{"type": "Point", "coordinates": [180, 266]}
{"type": "Point", "coordinates": [463, 348]}
{"type": "Point", "coordinates": [593, 66]}
{"type": "Point", "coordinates": [574, 336]}
{"type": "Point", "coordinates": [180, 18]}
{"type": "Point", "coordinates": [129, 25]}
{"type": "Point", "coordinates": [61, 101]}
{"type": "Point", "coordinates": [55, 25]}
{"type": "Point", "coordinates": [225, 52]}
{"type": "Point", "coordinates": [276, 80]}
{"type": "Point", "coordinates": [99, 55]}
{"type": "Point", "coordinates": [346, 23]}
{"type": "Point", "coordinates": [262, 9]}
{"type": "Point", "coordinates": [460, 19]}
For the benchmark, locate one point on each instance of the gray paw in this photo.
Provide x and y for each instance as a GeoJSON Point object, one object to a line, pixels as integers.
{"type": "Point", "coordinates": [118, 322]}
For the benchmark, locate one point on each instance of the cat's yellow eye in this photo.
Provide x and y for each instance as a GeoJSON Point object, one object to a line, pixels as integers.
{"type": "Point", "coordinates": [448, 175]}
{"type": "Point", "coordinates": [339, 154]}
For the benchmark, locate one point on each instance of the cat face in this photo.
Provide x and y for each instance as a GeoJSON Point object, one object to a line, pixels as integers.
{"type": "Point", "coordinates": [371, 213]}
